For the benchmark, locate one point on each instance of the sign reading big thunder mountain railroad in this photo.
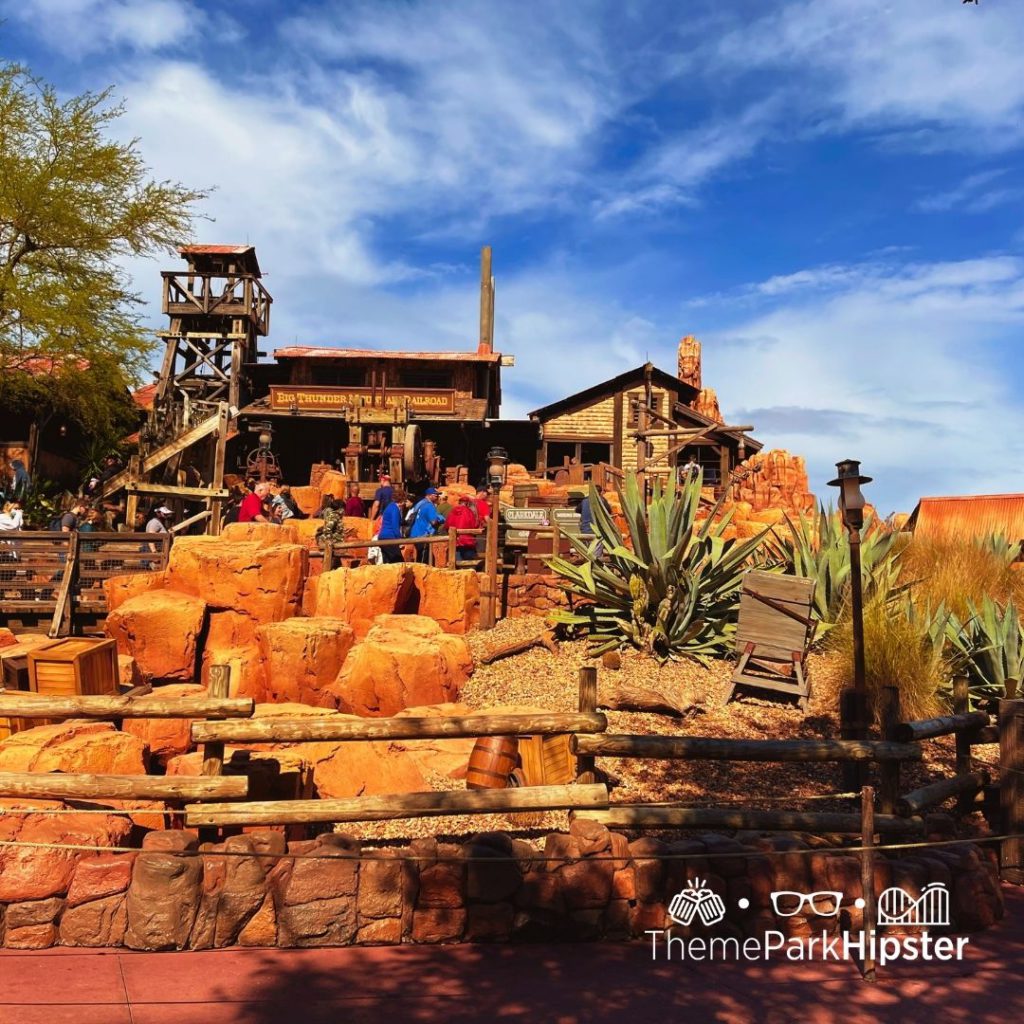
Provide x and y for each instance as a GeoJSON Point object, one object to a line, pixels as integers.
{"type": "Point", "coordinates": [317, 399]}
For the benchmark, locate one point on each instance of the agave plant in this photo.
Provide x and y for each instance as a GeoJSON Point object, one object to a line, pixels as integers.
{"type": "Point", "coordinates": [1005, 550]}
{"type": "Point", "coordinates": [991, 644]}
{"type": "Point", "coordinates": [819, 548]}
{"type": "Point", "coordinates": [673, 591]}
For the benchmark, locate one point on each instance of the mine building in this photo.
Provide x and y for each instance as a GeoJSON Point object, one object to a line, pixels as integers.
{"type": "Point", "coordinates": [600, 425]}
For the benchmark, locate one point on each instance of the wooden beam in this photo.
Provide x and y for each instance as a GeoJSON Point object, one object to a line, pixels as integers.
{"type": "Point", "coordinates": [39, 706]}
{"type": "Point", "coordinates": [56, 786]}
{"type": "Point", "coordinates": [179, 444]}
{"type": "Point", "coordinates": [304, 730]}
{"type": "Point", "coordinates": [928, 796]}
{"type": "Point", "coordinates": [398, 805]}
{"type": "Point", "coordinates": [926, 728]}
{"type": "Point", "coordinates": [707, 748]}
{"type": "Point", "coordinates": [635, 816]}
{"type": "Point", "coordinates": [61, 621]}
{"type": "Point", "coordinates": [172, 490]}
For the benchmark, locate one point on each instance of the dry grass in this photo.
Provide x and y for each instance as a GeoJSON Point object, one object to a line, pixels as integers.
{"type": "Point", "coordinates": [955, 572]}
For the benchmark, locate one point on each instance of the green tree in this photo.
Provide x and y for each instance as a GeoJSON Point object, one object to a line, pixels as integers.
{"type": "Point", "coordinates": [74, 204]}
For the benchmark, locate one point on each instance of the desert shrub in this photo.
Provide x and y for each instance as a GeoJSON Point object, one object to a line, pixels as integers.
{"type": "Point", "coordinates": [960, 573]}
{"type": "Point", "coordinates": [990, 646]}
{"type": "Point", "coordinates": [903, 647]}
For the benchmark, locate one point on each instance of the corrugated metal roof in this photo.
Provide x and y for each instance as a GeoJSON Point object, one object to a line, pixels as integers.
{"type": "Point", "coordinates": [969, 515]}
{"type": "Point", "coordinates": [144, 396]}
{"type": "Point", "coordinates": [324, 352]}
{"type": "Point", "coordinates": [217, 250]}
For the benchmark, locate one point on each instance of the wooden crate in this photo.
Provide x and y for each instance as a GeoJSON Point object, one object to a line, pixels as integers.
{"type": "Point", "coordinates": [75, 666]}
{"type": "Point", "coordinates": [547, 760]}
{"type": "Point", "coordinates": [9, 726]}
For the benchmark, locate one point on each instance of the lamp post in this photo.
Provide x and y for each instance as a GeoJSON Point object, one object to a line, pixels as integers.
{"type": "Point", "coordinates": [497, 470]}
{"type": "Point", "coordinates": [853, 703]}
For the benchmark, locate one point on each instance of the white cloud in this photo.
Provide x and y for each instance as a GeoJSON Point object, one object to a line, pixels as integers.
{"type": "Point", "coordinates": [907, 367]}
{"type": "Point", "coordinates": [972, 195]}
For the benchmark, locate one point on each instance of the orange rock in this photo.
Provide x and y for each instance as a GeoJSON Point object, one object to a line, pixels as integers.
{"type": "Point", "coordinates": [305, 531]}
{"type": "Point", "coordinates": [160, 630]}
{"type": "Point", "coordinates": [264, 534]}
{"type": "Point", "coordinates": [263, 582]}
{"type": "Point", "coordinates": [165, 737]}
{"type": "Point", "coordinates": [706, 403]}
{"type": "Point", "coordinates": [404, 660]}
{"type": "Point", "coordinates": [689, 361]}
{"type": "Point", "coordinates": [451, 597]}
{"type": "Point", "coordinates": [87, 748]}
{"type": "Point", "coordinates": [308, 499]}
{"type": "Point", "coordinates": [7, 638]}
{"type": "Point", "coordinates": [39, 872]}
{"type": "Point", "coordinates": [334, 483]}
{"type": "Point", "coordinates": [248, 676]}
{"type": "Point", "coordinates": [230, 629]}
{"type": "Point", "coordinates": [449, 758]}
{"type": "Point", "coordinates": [302, 659]}
{"type": "Point", "coordinates": [359, 595]}
{"type": "Point", "coordinates": [128, 673]}
{"type": "Point", "coordinates": [119, 589]}
{"type": "Point", "coordinates": [366, 769]}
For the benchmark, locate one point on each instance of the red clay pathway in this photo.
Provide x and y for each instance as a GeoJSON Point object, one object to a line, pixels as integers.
{"type": "Point", "coordinates": [560, 984]}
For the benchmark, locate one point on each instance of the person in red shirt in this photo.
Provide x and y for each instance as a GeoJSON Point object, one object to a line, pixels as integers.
{"type": "Point", "coordinates": [252, 509]}
{"type": "Point", "coordinates": [354, 505]}
{"type": "Point", "coordinates": [483, 505]}
{"type": "Point", "coordinates": [464, 517]}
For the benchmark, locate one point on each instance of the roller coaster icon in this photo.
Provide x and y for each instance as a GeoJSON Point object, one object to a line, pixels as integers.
{"type": "Point", "coordinates": [930, 909]}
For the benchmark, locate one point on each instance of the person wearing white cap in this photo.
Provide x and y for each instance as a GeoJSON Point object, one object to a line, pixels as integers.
{"type": "Point", "coordinates": [158, 523]}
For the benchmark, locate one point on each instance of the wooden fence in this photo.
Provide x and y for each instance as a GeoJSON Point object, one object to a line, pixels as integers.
{"type": "Point", "coordinates": [58, 575]}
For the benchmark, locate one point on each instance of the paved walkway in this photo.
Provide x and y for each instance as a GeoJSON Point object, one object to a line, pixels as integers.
{"type": "Point", "coordinates": [562, 984]}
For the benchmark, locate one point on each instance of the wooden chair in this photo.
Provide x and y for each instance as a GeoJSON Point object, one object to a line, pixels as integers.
{"type": "Point", "coordinates": [775, 629]}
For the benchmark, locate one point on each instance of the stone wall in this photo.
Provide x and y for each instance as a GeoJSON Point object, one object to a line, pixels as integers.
{"type": "Point", "coordinates": [533, 594]}
{"type": "Point", "coordinates": [586, 884]}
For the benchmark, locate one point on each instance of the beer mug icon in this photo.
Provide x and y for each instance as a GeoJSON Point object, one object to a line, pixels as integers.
{"type": "Point", "coordinates": [696, 901]}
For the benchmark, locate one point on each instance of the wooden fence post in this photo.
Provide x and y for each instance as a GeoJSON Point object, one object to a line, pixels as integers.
{"type": "Point", "coordinates": [889, 771]}
{"type": "Point", "coordinates": [1011, 789]}
{"type": "Point", "coordinates": [588, 703]}
{"type": "Point", "coordinates": [961, 705]}
{"type": "Point", "coordinates": [219, 685]}
{"type": "Point", "coordinates": [61, 623]}
{"type": "Point", "coordinates": [452, 534]}
{"type": "Point", "coordinates": [867, 875]}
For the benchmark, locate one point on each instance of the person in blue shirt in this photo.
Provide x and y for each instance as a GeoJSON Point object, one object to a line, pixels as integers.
{"type": "Point", "coordinates": [382, 497]}
{"type": "Point", "coordinates": [425, 521]}
{"type": "Point", "coordinates": [391, 529]}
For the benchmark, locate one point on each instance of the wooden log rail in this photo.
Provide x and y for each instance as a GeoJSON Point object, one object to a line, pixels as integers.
{"type": "Point", "coordinates": [638, 816]}
{"type": "Point", "coordinates": [55, 786]}
{"type": "Point", "coordinates": [936, 792]}
{"type": "Point", "coordinates": [398, 805]}
{"type": "Point", "coordinates": [38, 706]}
{"type": "Point", "coordinates": [928, 728]}
{"type": "Point", "coordinates": [707, 748]}
{"type": "Point", "coordinates": [305, 730]}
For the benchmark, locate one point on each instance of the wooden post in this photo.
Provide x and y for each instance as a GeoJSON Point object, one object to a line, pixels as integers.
{"type": "Point", "coordinates": [60, 624]}
{"type": "Point", "coordinates": [131, 509]}
{"type": "Point", "coordinates": [588, 703]}
{"type": "Point", "coordinates": [451, 548]}
{"type": "Point", "coordinates": [556, 539]}
{"type": "Point", "coordinates": [486, 302]}
{"type": "Point", "coordinates": [1011, 789]}
{"type": "Point", "coordinates": [852, 712]}
{"type": "Point", "coordinates": [867, 875]}
{"type": "Point", "coordinates": [488, 606]}
{"type": "Point", "coordinates": [889, 771]}
{"type": "Point", "coordinates": [220, 454]}
{"type": "Point", "coordinates": [961, 705]}
{"type": "Point", "coordinates": [219, 685]}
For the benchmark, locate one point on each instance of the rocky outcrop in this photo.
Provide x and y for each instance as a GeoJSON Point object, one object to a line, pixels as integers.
{"type": "Point", "coordinates": [365, 769]}
{"type": "Point", "coordinates": [119, 589]}
{"type": "Point", "coordinates": [404, 660]}
{"type": "Point", "coordinates": [165, 891]}
{"type": "Point", "coordinates": [450, 597]}
{"type": "Point", "coordinates": [689, 361]}
{"type": "Point", "coordinates": [76, 746]}
{"type": "Point", "coordinates": [359, 595]}
{"type": "Point", "coordinates": [160, 629]}
{"type": "Point", "coordinates": [776, 480]}
{"type": "Point", "coordinates": [165, 737]}
{"type": "Point", "coordinates": [302, 658]}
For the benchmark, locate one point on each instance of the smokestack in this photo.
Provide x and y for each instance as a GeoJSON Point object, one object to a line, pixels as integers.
{"type": "Point", "coordinates": [485, 346]}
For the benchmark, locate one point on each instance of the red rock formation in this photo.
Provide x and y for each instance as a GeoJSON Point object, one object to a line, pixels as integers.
{"type": "Point", "coordinates": [75, 746]}
{"type": "Point", "coordinates": [366, 769]}
{"type": "Point", "coordinates": [119, 589]}
{"type": "Point", "coordinates": [449, 597]}
{"type": "Point", "coordinates": [778, 480]}
{"type": "Point", "coordinates": [706, 403]}
{"type": "Point", "coordinates": [302, 658]}
{"type": "Point", "coordinates": [404, 660]}
{"type": "Point", "coordinates": [359, 595]}
{"type": "Point", "coordinates": [689, 361]}
{"type": "Point", "coordinates": [165, 737]}
{"type": "Point", "coordinates": [160, 630]}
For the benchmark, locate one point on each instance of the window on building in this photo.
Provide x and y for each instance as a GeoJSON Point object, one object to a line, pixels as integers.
{"type": "Point", "coordinates": [427, 378]}
{"type": "Point", "coordinates": [634, 400]}
{"type": "Point", "coordinates": [339, 376]}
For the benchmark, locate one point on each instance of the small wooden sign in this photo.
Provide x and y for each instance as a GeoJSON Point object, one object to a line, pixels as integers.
{"type": "Point", "coordinates": [524, 518]}
{"type": "Point", "coordinates": [284, 398]}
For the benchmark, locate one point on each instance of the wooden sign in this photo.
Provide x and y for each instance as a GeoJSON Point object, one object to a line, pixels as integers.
{"type": "Point", "coordinates": [524, 518]}
{"type": "Point", "coordinates": [284, 398]}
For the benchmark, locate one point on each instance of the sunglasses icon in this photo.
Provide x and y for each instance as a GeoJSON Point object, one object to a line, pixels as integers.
{"type": "Point", "coordinates": [825, 904]}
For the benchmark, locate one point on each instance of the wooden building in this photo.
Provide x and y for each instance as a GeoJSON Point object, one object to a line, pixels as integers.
{"type": "Point", "coordinates": [600, 424]}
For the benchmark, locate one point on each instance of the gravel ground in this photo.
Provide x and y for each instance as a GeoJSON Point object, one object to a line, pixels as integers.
{"type": "Point", "coordinates": [539, 679]}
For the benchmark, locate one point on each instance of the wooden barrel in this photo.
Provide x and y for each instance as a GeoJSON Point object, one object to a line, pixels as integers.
{"type": "Point", "coordinates": [492, 762]}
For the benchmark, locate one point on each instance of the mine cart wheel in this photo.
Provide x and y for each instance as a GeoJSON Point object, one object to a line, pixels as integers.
{"type": "Point", "coordinates": [412, 454]}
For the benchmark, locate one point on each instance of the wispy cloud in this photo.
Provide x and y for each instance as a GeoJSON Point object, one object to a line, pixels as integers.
{"type": "Point", "coordinates": [977, 193]}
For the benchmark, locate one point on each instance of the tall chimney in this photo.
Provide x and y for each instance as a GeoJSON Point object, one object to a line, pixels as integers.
{"type": "Point", "coordinates": [485, 346]}
{"type": "Point", "coordinates": [689, 361]}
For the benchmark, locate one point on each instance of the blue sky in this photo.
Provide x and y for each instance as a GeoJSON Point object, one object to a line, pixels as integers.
{"type": "Point", "coordinates": [827, 193]}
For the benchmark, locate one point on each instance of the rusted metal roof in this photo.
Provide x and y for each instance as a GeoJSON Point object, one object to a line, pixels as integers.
{"type": "Point", "coordinates": [324, 352]}
{"type": "Point", "coordinates": [246, 254]}
{"type": "Point", "coordinates": [969, 515]}
{"type": "Point", "coordinates": [143, 397]}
